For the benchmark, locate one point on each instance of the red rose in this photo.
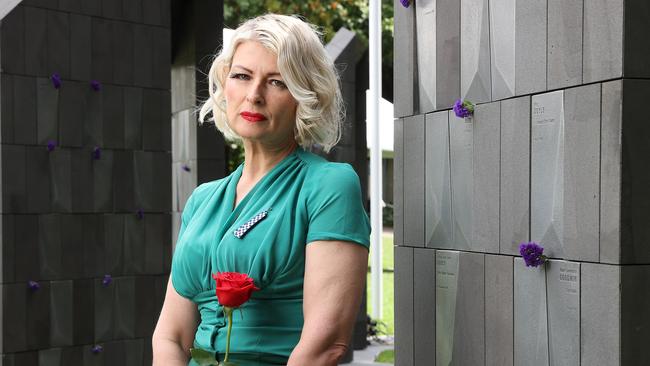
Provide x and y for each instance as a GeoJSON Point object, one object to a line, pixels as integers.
{"type": "Point", "coordinates": [233, 288]}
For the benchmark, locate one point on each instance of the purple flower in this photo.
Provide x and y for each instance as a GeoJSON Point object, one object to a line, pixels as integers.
{"type": "Point", "coordinates": [97, 349]}
{"type": "Point", "coordinates": [96, 85]}
{"type": "Point", "coordinates": [51, 145]}
{"type": "Point", "coordinates": [463, 109]}
{"type": "Point", "coordinates": [186, 167]}
{"type": "Point", "coordinates": [97, 153]}
{"type": "Point", "coordinates": [56, 80]}
{"type": "Point", "coordinates": [107, 280]}
{"type": "Point", "coordinates": [532, 254]}
{"type": "Point", "coordinates": [140, 214]}
{"type": "Point", "coordinates": [33, 285]}
{"type": "Point", "coordinates": [405, 3]}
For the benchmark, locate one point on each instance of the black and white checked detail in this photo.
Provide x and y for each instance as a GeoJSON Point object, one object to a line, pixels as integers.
{"type": "Point", "coordinates": [242, 230]}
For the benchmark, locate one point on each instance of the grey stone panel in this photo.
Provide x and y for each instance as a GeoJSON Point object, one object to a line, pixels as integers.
{"type": "Point", "coordinates": [103, 182]}
{"type": "Point", "coordinates": [635, 301]}
{"type": "Point", "coordinates": [582, 172]}
{"type": "Point", "coordinates": [162, 190]}
{"type": "Point", "coordinates": [24, 118]}
{"type": "Point", "coordinates": [93, 248]}
{"type": "Point", "coordinates": [8, 250]}
{"type": "Point", "coordinates": [404, 86]}
{"type": "Point", "coordinates": [36, 42]}
{"type": "Point", "coordinates": [134, 244]}
{"type": "Point", "coordinates": [7, 108]}
{"type": "Point", "coordinates": [447, 53]}
{"type": "Point", "coordinates": [530, 314]}
{"type": "Point", "coordinates": [610, 171]}
{"type": "Point", "coordinates": [124, 184]}
{"type": "Point", "coordinates": [475, 83]}
{"type": "Point", "coordinates": [124, 308]}
{"type": "Point", "coordinates": [635, 48]}
{"type": "Point", "coordinates": [92, 7]}
{"type": "Point", "coordinates": [37, 179]}
{"type": "Point", "coordinates": [426, 47]}
{"type": "Point", "coordinates": [563, 291]}
{"type": "Point", "coordinates": [14, 317]}
{"type": "Point", "coordinates": [123, 52]}
{"type": "Point", "coordinates": [72, 242]}
{"type": "Point", "coordinates": [461, 142]}
{"type": "Point", "coordinates": [152, 12]}
{"type": "Point", "coordinates": [93, 124]}
{"type": "Point", "coordinates": [145, 305]}
{"type": "Point", "coordinates": [515, 174]}
{"type": "Point", "coordinates": [156, 120]}
{"type": "Point", "coordinates": [61, 313]}
{"type": "Point", "coordinates": [166, 13]}
{"type": "Point", "coordinates": [49, 246]}
{"type": "Point", "coordinates": [114, 353]}
{"type": "Point", "coordinates": [49, 357]}
{"type": "Point", "coordinates": [132, 10]}
{"type": "Point", "coordinates": [635, 180]}
{"type": "Point", "coordinates": [499, 325]}
{"type": "Point", "coordinates": [404, 305]}
{"type": "Point", "coordinates": [26, 245]}
{"type": "Point", "coordinates": [113, 116]}
{"type": "Point", "coordinates": [84, 311]}
{"type": "Point", "coordinates": [437, 181]}
{"type": "Point", "coordinates": [134, 352]}
{"type": "Point", "coordinates": [71, 356]}
{"type": "Point", "coordinates": [71, 6]}
{"type": "Point", "coordinates": [460, 321]}
{"type": "Point", "coordinates": [82, 181]}
{"type": "Point", "coordinates": [144, 180]}
{"type": "Point", "coordinates": [530, 46]}
{"type": "Point", "coordinates": [14, 194]}
{"type": "Point", "coordinates": [47, 111]}
{"type": "Point", "coordinates": [12, 38]}
{"type": "Point", "coordinates": [183, 80]}
{"type": "Point", "coordinates": [102, 52]}
{"type": "Point", "coordinates": [547, 172]}
{"type": "Point", "coordinates": [112, 9]}
{"type": "Point", "coordinates": [424, 311]}
{"type": "Point", "coordinates": [502, 48]}
{"type": "Point", "coordinates": [58, 43]}
{"type": "Point", "coordinates": [398, 183]}
{"type": "Point", "coordinates": [487, 122]}
{"type": "Point", "coordinates": [602, 54]}
{"type": "Point", "coordinates": [143, 55]}
{"type": "Point", "coordinates": [564, 54]}
{"type": "Point", "coordinates": [133, 118]}
{"type": "Point", "coordinates": [114, 243]}
{"type": "Point", "coordinates": [162, 63]}
{"type": "Point", "coordinates": [72, 103]}
{"type": "Point", "coordinates": [38, 317]}
{"type": "Point", "coordinates": [157, 237]}
{"type": "Point", "coordinates": [104, 318]}
{"type": "Point", "coordinates": [26, 358]}
{"type": "Point", "coordinates": [61, 175]}
{"type": "Point", "coordinates": [414, 181]}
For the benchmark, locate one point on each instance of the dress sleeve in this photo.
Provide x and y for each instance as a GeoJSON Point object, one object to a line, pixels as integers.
{"type": "Point", "coordinates": [335, 206]}
{"type": "Point", "coordinates": [178, 274]}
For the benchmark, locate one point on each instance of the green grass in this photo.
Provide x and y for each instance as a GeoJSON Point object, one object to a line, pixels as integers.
{"type": "Point", "coordinates": [387, 356]}
{"type": "Point", "coordinates": [387, 301]}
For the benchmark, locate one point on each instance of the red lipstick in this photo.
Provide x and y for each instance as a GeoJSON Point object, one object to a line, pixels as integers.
{"type": "Point", "coordinates": [252, 117]}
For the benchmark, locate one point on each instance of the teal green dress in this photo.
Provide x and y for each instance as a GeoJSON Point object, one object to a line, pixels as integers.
{"type": "Point", "coordinates": [307, 199]}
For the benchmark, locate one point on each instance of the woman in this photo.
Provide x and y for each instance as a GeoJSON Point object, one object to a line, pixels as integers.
{"type": "Point", "coordinates": [275, 89]}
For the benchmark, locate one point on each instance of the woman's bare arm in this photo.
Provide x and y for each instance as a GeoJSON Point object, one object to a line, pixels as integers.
{"type": "Point", "coordinates": [335, 274]}
{"type": "Point", "coordinates": [174, 333]}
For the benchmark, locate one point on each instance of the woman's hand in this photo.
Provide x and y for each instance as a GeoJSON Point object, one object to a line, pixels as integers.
{"type": "Point", "coordinates": [174, 333]}
{"type": "Point", "coordinates": [335, 274]}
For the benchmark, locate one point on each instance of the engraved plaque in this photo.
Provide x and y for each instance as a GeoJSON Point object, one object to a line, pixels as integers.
{"type": "Point", "coordinates": [547, 165]}
{"type": "Point", "coordinates": [437, 186]}
{"type": "Point", "coordinates": [531, 332]}
{"type": "Point", "coordinates": [563, 281]}
{"type": "Point", "coordinates": [446, 291]}
{"type": "Point", "coordinates": [462, 179]}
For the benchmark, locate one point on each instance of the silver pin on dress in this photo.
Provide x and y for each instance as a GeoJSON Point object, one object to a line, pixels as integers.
{"type": "Point", "coordinates": [242, 230]}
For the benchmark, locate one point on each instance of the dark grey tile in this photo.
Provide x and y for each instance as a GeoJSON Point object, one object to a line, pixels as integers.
{"type": "Point", "coordinates": [152, 12]}
{"type": "Point", "coordinates": [143, 55]}
{"type": "Point", "coordinates": [398, 183]}
{"type": "Point", "coordinates": [24, 100]}
{"type": "Point", "coordinates": [82, 180]}
{"type": "Point", "coordinates": [93, 128]}
{"type": "Point", "coordinates": [113, 116]}
{"type": "Point", "coordinates": [92, 7]}
{"type": "Point", "coordinates": [60, 174]}
{"type": "Point", "coordinates": [104, 311]}
{"type": "Point", "coordinates": [27, 265]}
{"type": "Point", "coordinates": [635, 40]}
{"type": "Point", "coordinates": [14, 194]}
{"type": "Point", "coordinates": [72, 103]}
{"type": "Point", "coordinates": [84, 311]}
{"type": "Point", "coordinates": [161, 49]}
{"type": "Point", "coordinates": [7, 108]}
{"type": "Point", "coordinates": [404, 305]}
{"type": "Point", "coordinates": [38, 317]}
{"type": "Point", "coordinates": [515, 174]}
{"type": "Point", "coordinates": [602, 54]}
{"type": "Point", "coordinates": [437, 181]}
{"type": "Point", "coordinates": [530, 46]}
{"type": "Point", "coordinates": [166, 13]}
{"type": "Point", "coordinates": [134, 250]}
{"type": "Point", "coordinates": [103, 182]}
{"type": "Point", "coordinates": [102, 52]}
{"type": "Point", "coordinates": [157, 237]}
{"type": "Point", "coordinates": [635, 288]}
{"type": "Point", "coordinates": [113, 243]}
{"type": "Point", "coordinates": [81, 46]}
{"type": "Point", "coordinates": [12, 33]}
{"type": "Point", "coordinates": [123, 51]}
{"type": "Point", "coordinates": [414, 181]}
{"type": "Point", "coordinates": [8, 249]}
{"type": "Point", "coordinates": [61, 313]}
{"type": "Point", "coordinates": [47, 111]}
{"type": "Point", "coordinates": [405, 88]}
{"type": "Point", "coordinates": [112, 9]}
{"type": "Point", "coordinates": [475, 83]}
{"type": "Point", "coordinates": [424, 309]}
{"type": "Point", "coordinates": [133, 104]}
{"type": "Point", "coordinates": [72, 356]}
{"type": "Point", "coordinates": [49, 357]}
{"type": "Point", "coordinates": [114, 353]}
{"type": "Point", "coordinates": [132, 10]}
{"type": "Point", "coordinates": [162, 189]}
{"type": "Point", "coordinates": [499, 323]}
{"type": "Point", "coordinates": [72, 242]}
{"type": "Point", "coordinates": [36, 47]}
{"type": "Point", "coordinates": [145, 305]}
{"type": "Point", "coordinates": [153, 121]}
{"type": "Point", "coordinates": [124, 308]}
{"type": "Point", "coordinates": [26, 358]}
{"type": "Point", "coordinates": [93, 250]}
{"type": "Point", "coordinates": [71, 6]}
{"type": "Point", "coordinates": [58, 43]}
{"type": "Point", "coordinates": [49, 246]}
{"type": "Point", "coordinates": [124, 183]}
{"type": "Point", "coordinates": [564, 54]}
{"type": "Point", "coordinates": [134, 352]}
{"type": "Point", "coordinates": [14, 315]}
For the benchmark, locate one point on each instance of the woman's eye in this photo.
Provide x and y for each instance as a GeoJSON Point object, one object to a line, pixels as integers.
{"type": "Point", "coordinates": [239, 76]}
{"type": "Point", "coordinates": [278, 83]}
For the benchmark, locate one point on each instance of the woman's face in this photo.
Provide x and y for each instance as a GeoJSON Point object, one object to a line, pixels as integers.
{"type": "Point", "coordinates": [258, 104]}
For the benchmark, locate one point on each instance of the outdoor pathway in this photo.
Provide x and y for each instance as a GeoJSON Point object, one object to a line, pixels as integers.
{"type": "Point", "coordinates": [367, 356]}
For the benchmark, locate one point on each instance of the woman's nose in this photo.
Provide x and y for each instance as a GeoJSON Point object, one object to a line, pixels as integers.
{"type": "Point", "coordinates": [254, 94]}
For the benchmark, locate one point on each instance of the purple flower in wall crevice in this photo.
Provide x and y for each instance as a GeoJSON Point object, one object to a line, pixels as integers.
{"type": "Point", "coordinates": [33, 285]}
{"type": "Point", "coordinates": [51, 145]}
{"type": "Point", "coordinates": [532, 254]}
{"type": "Point", "coordinates": [463, 108]}
{"type": "Point", "coordinates": [97, 153]}
{"type": "Point", "coordinates": [140, 214]}
{"type": "Point", "coordinates": [97, 349]}
{"type": "Point", "coordinates": [56, 80]}
{"type": "Point", "coordinates": [405, 3]}
{"type": "Point", "coordinates": [107, 280]}
{"type": "Point", "coordinates": [96, 85]}
{"type": "Point", "coordinates": [186, 168]}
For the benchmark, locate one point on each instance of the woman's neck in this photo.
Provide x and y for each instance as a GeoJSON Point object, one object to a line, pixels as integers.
{"type": "Point", "coordinates": [259, 159]}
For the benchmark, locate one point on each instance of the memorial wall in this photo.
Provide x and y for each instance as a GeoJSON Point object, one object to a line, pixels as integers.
{"type": "Point", "coordinates": [557, 152]}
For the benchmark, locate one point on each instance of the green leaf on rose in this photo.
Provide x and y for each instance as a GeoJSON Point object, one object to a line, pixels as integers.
{"type": "Point", "coordinates": [203, 357]}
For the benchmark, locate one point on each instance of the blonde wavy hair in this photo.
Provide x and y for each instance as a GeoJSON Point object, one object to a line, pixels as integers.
{"type": "Point", "coordinates": [306, 69]}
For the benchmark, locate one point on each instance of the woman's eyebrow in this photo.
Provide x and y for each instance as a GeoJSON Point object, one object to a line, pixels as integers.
{"type": "Point", "coordinates": [274, 73]}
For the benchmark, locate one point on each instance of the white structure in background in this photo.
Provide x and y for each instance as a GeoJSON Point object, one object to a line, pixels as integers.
{"type": "Point", "coordinates": [386, 125]}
